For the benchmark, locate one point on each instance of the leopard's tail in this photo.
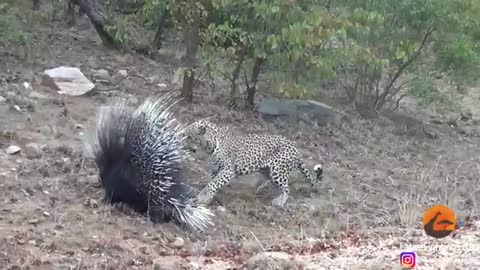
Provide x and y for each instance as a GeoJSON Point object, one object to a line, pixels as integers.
{"type": "Point", "coordinates": [317, 169]}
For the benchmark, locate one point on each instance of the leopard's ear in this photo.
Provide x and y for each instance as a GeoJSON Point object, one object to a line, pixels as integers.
{"type": "Point", "coordinates": [210, 117]}
{"type": "Point", "coordinates": [203, 124]}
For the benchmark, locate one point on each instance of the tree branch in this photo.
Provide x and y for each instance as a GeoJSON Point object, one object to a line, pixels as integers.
{"type": "Point", "coordinates": [245, 76]}
{"type": "Point", "coordinates": [241, 53]}
{"type": "Point", "coordinates": [397, 104]}
{"type": "Point", "coordinates": [413, 58]}
{"type": "Point", "coordinates": [403, 67]}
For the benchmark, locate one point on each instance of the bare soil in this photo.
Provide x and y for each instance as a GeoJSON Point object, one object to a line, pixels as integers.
{"type": "Point", "coordinates": [380, 175]}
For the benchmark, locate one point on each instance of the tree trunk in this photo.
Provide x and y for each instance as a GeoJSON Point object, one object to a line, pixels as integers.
{"type": "Point", "coordinates": [236, 74]}
{"type": "Point", "coordinates": [187, 87]}
{"type": "Point", "coordinates": [299, 68]}
{"type": "Point", "coordinates": [191, 40]}
{"type": "Point", "coordinates": [36, 5]}
{"type": "Point", "coordinates": [80, 10]}
{"type": "Point", "coordinates": [157, 40]}
{"type": "Point", "coordinates": [252, 86]}
{"type": "Point", "coordinates": [98, 18]}
{"type": "Point", "coordinates": [70, 14]}
{"type": "Point", "coordinates": [250, 100]}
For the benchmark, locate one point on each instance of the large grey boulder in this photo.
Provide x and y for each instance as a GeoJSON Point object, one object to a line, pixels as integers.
{"type": "Point", "coordinates": [67, 81]}
{"type": "Point", "coordinates": [311, 110]}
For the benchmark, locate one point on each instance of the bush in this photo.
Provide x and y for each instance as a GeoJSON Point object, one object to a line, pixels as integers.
{"type": "Point", "coordinates": [12, 27]}
{"type": "Point", "coordinates": [372, 49]}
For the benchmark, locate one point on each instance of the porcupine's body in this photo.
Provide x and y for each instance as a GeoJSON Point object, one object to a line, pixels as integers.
{"type": "Point", "coordinates": [139, 155]}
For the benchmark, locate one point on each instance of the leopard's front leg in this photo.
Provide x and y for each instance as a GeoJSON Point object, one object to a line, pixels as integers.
{"type": "Point", "coordinates": [215, 165]}
{"type": "Point", "coordinates": [225, 175]}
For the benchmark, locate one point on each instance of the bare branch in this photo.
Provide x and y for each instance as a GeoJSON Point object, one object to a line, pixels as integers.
{"type": "Point", "coordinates": [397, 104]}
{"type": "Point", "coordinates": [245, 76]}
{"type": "Point", "coordinates": [402, 68]}
{"type": "Point", "coordinates": [413, 58]}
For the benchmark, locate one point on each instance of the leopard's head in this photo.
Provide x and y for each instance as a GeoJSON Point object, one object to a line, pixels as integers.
{"type": "Point", "coordinates": [201, 133]}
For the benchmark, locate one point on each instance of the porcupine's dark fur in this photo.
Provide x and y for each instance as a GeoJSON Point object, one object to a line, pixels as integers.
{"type": "Point", "coordinates": [139, 154]}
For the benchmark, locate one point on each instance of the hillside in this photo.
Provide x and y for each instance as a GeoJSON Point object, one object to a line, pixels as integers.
{"type": "Point", "coordinates": [380, 175]}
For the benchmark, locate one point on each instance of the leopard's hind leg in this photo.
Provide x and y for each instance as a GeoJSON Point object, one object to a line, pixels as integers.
{"type": "Point", "coordinates": [265, 181]}
{"type": "Point", "coordinates": [279, 171]}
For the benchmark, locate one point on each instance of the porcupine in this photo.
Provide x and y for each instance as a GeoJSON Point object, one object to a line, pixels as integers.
{"type": "Point", "coordinates": [139, 154]}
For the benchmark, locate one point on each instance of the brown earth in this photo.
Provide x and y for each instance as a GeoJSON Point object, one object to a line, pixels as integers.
{"type": "Point", "coordinates": [381, 174]}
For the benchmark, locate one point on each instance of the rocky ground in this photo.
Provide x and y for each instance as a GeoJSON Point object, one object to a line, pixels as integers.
{"type": "Point", "coordinates": [381, 174]}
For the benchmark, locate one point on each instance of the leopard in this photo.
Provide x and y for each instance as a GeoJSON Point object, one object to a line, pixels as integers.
{"type": "Point", "coordinates": [233, 155]}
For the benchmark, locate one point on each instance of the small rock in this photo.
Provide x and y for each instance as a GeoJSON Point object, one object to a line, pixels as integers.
{"type": "Point", "coordinates": [130, 262]}
{"type": "Point", "coordinates": [116, 266]}
{"type": "Point", "coordinates": [161, 85]}
{"type": "Point", "coordinates": [430, 132]}
{"type": "Point", "coordinates": [465, 130]}
{"type": "Point", "coordinates": [101, 74]}
{"type": "Point", "coordinates": [193, 266]}
{"type": "Point", "coordinates": [164, 252]}
{"type": "Point", "coordinates": [34, 221]}
{"type": "Point", "coordinates": [252, 247]}
{"type": "Point", "coordinates": [168, 263]}
{"type": "Point", "coordinates": [26, 85]}
{"type": "Point", "coordinates": [154, 79]}
{"type": "Point", "coordinates": [178, 243]}
{"type": "Point", "coordinates": [78, 126]}
{"type": "Point", "coordinates": [311, 208]}
{"type": "Point", "coordinates": [124, 58]}
{"type": "Point", "coordinates": [3, 100]}
{"type": "Point", "coordinates": [17, 108]}
{"type": "Point", "coordinates": [133, 101]}
{"type": "Point", "coordinates": [123, 72]}
{"type": "Point", "coordinates": [177, 78]}
{"type": "Point", "coordinates": [46, 214]}
{"type": "Point", "coordinates": [13, 149]}
{"type": "Point", "coordinates": [91, 203]}
{"type": "Point", "coordinates": [452, 121]}
{"type": "Point", "coordinates": [21, 241]}
{"type": "Point", "coordinates": [221, 209]}
{"type": "Point", "coordinates": [33, 150]}
{"type": "Point", "coordinates": [272, 260]}
{"type": "Point", "coordinates": [437, 121]}
{"type": "Point", "coordinates": [36, 95]}
{"type": "Point", "coordinates": [465, 115]}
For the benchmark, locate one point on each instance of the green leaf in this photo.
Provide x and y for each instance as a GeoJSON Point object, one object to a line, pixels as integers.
{"type": "Point", "coordinates": [231, 51]}
{"type": "Point", "coordinates": [272, 40]}
{"type": "Point", "coordinates": [399, 54]}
